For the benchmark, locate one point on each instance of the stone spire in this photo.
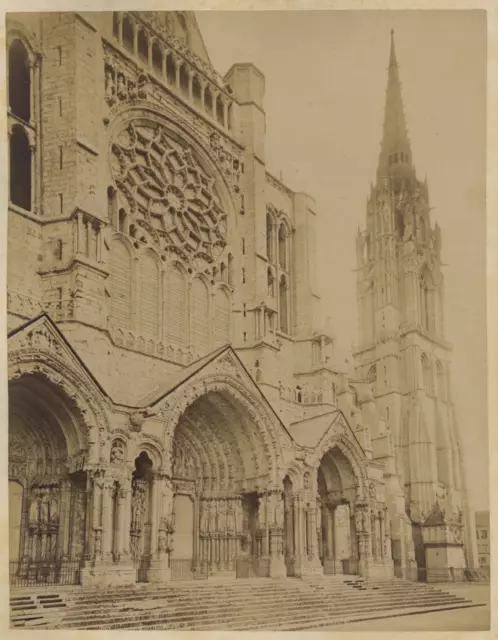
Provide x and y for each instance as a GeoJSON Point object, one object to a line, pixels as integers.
{"type": "Point", "coordinates": [395, 158]}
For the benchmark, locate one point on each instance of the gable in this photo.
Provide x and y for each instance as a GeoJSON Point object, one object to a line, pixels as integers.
{"type": "Point", "coordinates": [41, 336]}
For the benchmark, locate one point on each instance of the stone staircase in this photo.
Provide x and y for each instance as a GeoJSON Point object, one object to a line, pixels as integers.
{"type": "Point", "coordinates": [284, 604]}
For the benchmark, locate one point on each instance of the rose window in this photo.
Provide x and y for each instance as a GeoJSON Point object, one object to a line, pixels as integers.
{"type": "Point", "coordinates": [170, 196]}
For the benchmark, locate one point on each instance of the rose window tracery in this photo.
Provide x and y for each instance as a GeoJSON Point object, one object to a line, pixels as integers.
{"type": "Point", "coordinates": [169, 195]}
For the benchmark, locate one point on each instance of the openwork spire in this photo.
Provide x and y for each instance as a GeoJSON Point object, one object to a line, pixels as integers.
{"type": "Point", "coordinates": [395, 154]}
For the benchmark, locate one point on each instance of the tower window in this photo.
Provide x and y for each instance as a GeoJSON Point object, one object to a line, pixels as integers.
{"type": "Point", "coordinates": [395, 157]}
{"type": "Point", "coordinates": [269, 237]}
{"type": "Point", "coordinates": [283, 305]}
{"type": "Point", "coordinates": [19, 81]}
{"type": "Point", "coordinates": [143, 46]}
{"type": "Point", "coordinates": [243, 247]}
{"type": "Point", "coordinates": [243, 275]}
{"type": "Point", "coordinates": [20, 169]}
{"type": "Point", "coordinates": [170, 69]}
{"type": "Point", "coordinates": [282, 247]}
{"type": "Point", "coordinates": [244, 306]}
{"type": "Point", "coordinates": [184, 79]}
{"type": "Point", "coordinates": [128, 36]}
{"type": "Point", "coordinates": [196, 90]}
{"type": "Point", "coordinates": [220, 111]}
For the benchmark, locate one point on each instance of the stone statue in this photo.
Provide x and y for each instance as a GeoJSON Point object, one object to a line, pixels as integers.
{"type": "Point", "coordinates": [139, 489]}
{"type": "Point", "coordinates": [122, 91]}
{"type": "Point", "coordinates": [306, 480]}
{"type": "Point", "coordinates": [117, 452]}
{"type": "Point", "coordinates": [109, 86]}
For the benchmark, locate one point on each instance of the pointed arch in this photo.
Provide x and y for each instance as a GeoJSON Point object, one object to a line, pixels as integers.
{"type": "Point", "coordinates": [199, 313]}
{"type": "Point", "coordinates": [426, 373]}
{"type": "Point", "coordinates": [282, 246]}
{"type": "Point", "coordinates": [20, 168]}
{"type": "Point", "coordinates": [128, 34]}
{"type": "Point", "coordinates": [143, 45]}
{"type": "Point", "coordinates": [221, 317]}
{"type": "Point", "coordinates": [19, 80]}
{"type": "Point", "coordinates": [121, 284]}
{"type": "Point", "coordinates": [441, 381]}
{"type": "Point", "coordinates": [149, 294]}
{"type": "Point", "coordinates": [174, 304]}
{"type": "Point", "coordinates": [283, 305]}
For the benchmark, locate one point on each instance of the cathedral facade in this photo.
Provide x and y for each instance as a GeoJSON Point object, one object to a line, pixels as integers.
{"type": "Point", "coordinates": [174, 410]}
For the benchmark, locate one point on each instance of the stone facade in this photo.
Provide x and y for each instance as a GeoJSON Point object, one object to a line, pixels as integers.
{"type": "Point", "coordinates": [174, 406]}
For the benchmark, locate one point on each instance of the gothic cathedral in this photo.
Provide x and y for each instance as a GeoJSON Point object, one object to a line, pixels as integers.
{"type": "Point", "coordinates": [173, 410]}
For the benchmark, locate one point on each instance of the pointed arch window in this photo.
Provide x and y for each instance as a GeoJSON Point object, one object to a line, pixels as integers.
{"type": "Point", "coordinates": [149, 295]}
{"type": "Point", "coordinates": [269, 237]}
{"type": "Point", "coordinates": [170, 69]}
{"type": "Point", "coordinates": [426, 373]}
{"type": "Point", "coordinates": [270, 280]}
{"type": "Point", "coordinates": [20, 168]}
{"type": "Point", "coordinates": [199, 312]}
{"type": "Point", "coordinates": [196, 90]}
{"type": "Point", "coordinates": [174, 309]}
{"type": "Point", "coordinates": [157, 58]}
{"type": "Point", "coordinates": [283, 307]}
{"type": "Point", "coordinates": [19, 81]}
{"type": "Point", "coordinates": [231, 278]}
{"type": "Point", "coordinates": [128, 35]}
{"type": "Point", "coordinates": [282, 246]}
{"type": "Point", "coordinates": [441, 383]}
{"type": "Point", "coordinates": [222, 318]}
{"type": "Point", "coordinates": [220, 110]}
{"type": "Point", "coordinates": [372, 378]}
{"type": "Point", "coordinates": [143, 46]}
{"type": "Point", "coordinates": [120, 271]}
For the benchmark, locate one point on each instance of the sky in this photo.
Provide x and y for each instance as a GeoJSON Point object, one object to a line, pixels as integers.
{"type": "Point", "coordinates": [326, 75]}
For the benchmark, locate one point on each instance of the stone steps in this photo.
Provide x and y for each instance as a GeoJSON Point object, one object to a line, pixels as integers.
{"type": "Point", "coordinates": [278, 604]}
{"type": "Point", "coordinates": [249, 618]}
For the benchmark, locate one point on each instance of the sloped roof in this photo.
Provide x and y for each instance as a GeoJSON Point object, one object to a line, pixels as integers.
{"type": "Point", "coordinates": [44, 318]}
{"type": "Point", "coordinates": [310, 431]}
{"type": "Point", "coordinates": [180, 377]}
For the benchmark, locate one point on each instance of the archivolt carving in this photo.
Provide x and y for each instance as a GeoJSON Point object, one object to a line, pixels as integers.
{"type": "Point", "coordinates": [352, 453]}
{"type": "Point", "coordinates": [254, 411]}
{"type": "Point", "coordinates": [31, 357]}
{"type": "Point", "coordinates": [168, 193]}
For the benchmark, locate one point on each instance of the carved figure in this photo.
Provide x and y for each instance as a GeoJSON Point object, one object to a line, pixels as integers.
{"type": "Point", "coordinates": [122, 91]}
{"type": "Point", "coordinates": [117, 452]}
{"type": "Point", "coordinates": [109, 86]}
{"type": "Point", "coordinates": [139, 491]}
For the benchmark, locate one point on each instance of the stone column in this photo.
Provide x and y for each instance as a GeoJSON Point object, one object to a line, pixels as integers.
{"type": "Point", "coordinates": [107, 520]}
{"type": "Point", "coordinates": [98, 488]}
{"type": "Point", "coordinates": [64, 518]}
{"type": "Point", "coordinates": [125, 517]}
{"type": "Point", "coordinates": [315, 566]}
{"type": "Point", "coordinates": [275, 521]}
{"type": "Point", "coordinates": [154, 522]}
{"type": "Point", "coordinates": [159, 570]}
{"type": "Point", "coordinates": [329, 560]}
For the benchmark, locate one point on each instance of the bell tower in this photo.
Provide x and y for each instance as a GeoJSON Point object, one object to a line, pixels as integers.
{"type": "Point", "coordinates": [402, 348]}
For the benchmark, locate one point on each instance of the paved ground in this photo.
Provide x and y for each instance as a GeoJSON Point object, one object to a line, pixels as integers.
{"type": "Point", "coordinates": [472, 619]}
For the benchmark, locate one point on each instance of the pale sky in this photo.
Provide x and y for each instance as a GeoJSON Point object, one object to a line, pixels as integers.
{"type": "Point", "coordinates": [326, 75]}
